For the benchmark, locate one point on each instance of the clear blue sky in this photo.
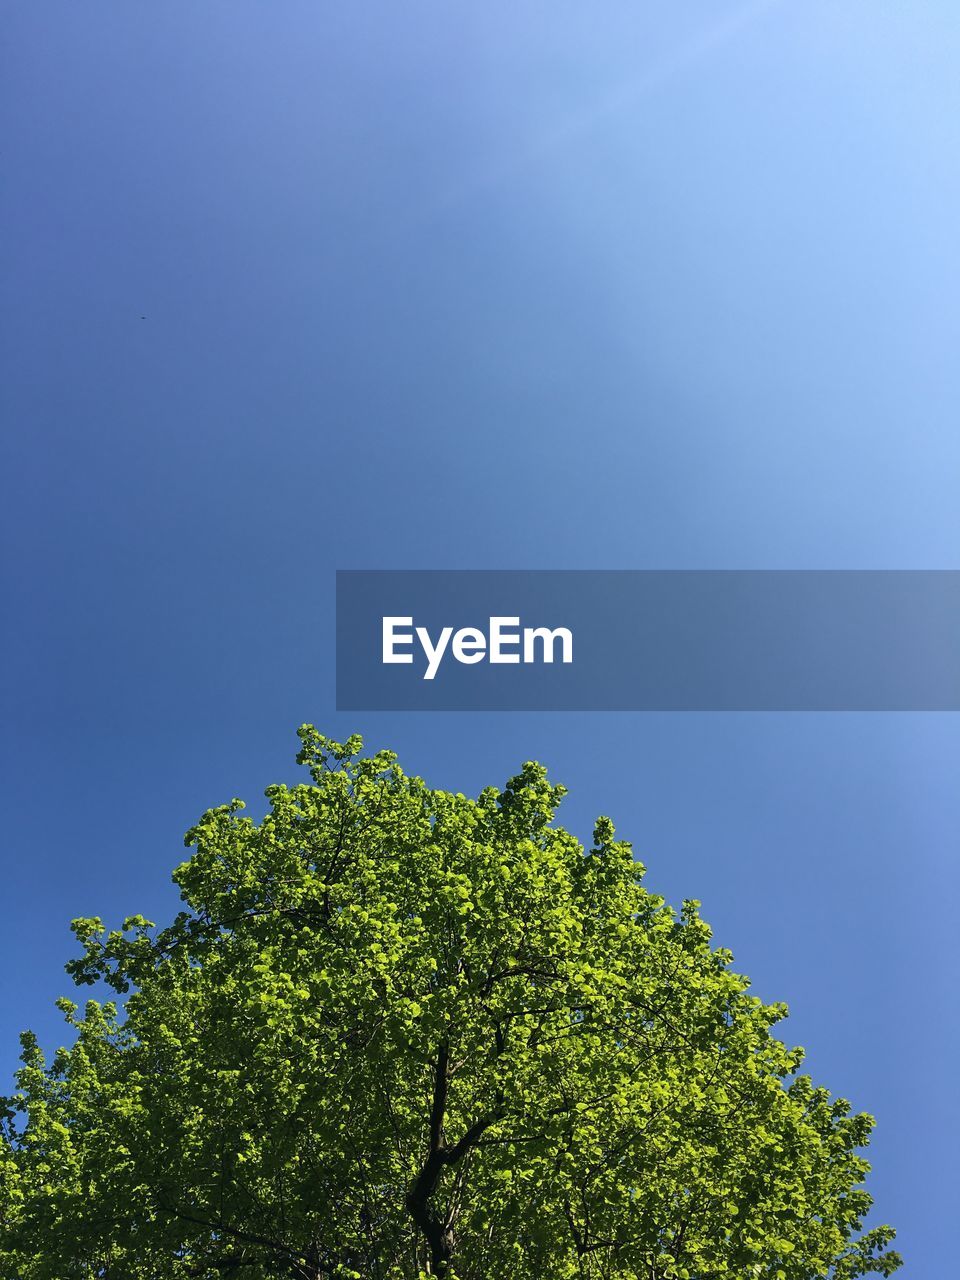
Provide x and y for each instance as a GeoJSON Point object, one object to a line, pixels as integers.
{"type": "Point", "coordinates": [305, 286]}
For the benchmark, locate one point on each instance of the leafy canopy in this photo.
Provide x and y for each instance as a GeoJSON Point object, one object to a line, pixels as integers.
{"type": "Point", "coordinates": [399, 1033]}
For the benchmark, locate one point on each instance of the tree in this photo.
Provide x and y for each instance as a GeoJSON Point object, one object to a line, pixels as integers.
{"type": "Point", "coordinates": [399, 1033]}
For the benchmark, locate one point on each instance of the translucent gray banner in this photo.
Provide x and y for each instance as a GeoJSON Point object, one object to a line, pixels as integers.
{"type": "Point", "coordinates": [638, 640]}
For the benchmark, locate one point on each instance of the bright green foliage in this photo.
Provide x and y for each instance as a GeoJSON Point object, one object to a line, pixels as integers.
{"type": "Point", "coordinates": [398, 1032]}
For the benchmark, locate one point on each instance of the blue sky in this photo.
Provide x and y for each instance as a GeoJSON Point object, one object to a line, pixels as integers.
{"type": "Point", "coordinates": [304, 287]}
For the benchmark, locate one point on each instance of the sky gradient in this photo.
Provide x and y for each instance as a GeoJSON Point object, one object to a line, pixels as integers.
{"type": "Point", "coordinates": [540, 285]}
